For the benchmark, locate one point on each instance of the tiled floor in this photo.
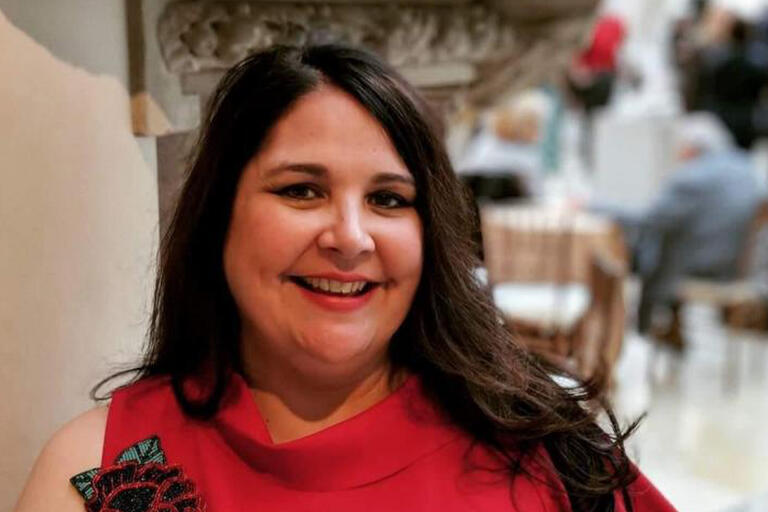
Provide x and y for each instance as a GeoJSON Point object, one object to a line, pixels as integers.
{"type": "Point", "coordinates": [704, 442]}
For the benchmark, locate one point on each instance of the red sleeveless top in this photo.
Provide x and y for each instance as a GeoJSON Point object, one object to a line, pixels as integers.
{"type": "Point", "coordinates": [400, 454]}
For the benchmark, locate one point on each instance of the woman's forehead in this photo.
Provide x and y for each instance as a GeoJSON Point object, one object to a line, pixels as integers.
{"type": "Point", "coordinates": [329, 128]}
{"type": "Point", "coordinates": [329, 112]}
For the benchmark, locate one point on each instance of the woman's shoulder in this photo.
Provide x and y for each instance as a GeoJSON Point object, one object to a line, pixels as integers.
{"type": "Point", "coordinates": [81, 444]}
{"type": "Point", "coordinates": [80, 440]}
{"type": "Point", "coordinates": [75, 447]}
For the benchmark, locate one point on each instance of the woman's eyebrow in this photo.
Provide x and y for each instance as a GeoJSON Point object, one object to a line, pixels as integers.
{"type": "Point", "coordinates": [387, 177]}
{"type": "Point", "coordinates": [319, 171]}
{"type": "Point", "coordinates": [315, 170]}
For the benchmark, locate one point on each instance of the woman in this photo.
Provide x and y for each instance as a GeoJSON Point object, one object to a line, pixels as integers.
{"type": "Point", "coordinates": [318, 340]}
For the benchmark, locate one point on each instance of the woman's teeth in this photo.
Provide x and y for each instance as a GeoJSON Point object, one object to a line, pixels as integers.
{"type": "Point", "coordinates": [331, 286]}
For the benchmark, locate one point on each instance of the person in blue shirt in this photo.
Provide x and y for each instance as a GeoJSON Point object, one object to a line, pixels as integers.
{"type": "Point", "coordinates": [698, 223]}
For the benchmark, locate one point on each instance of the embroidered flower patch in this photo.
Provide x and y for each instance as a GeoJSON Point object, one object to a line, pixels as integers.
{"type": "Point", "coordinates": [140, 480]}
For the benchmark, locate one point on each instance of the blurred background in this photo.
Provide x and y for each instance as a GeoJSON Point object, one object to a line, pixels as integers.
{"type": "Point", "coordinates": [616, 151]}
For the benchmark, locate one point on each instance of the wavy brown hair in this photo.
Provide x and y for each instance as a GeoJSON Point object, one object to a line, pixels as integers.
{"type": "Point", "coordinates": [469, 362]}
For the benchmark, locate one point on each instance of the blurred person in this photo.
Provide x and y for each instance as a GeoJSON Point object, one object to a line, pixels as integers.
{"type": "Point", "coordinates": [734, 77]}
{"type": "Point", "coordinates": [698, 224]}
{"type": "Point", "coordinates": [708, 26]}
{"type": "Point", "coordinates": [319, 340]}
{"type": "Point", "coordinates": [690, 35]}
{"type": "Point", "coordinates": [504, 159]}
{"type": "Point", "coordinates": [727, 74]}
{"type": "Point", "coordinates": [591, 76]}
{"type": "Point", "coordinates": [686, 35]}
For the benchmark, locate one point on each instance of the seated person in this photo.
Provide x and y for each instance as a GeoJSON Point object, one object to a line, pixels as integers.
{"type": "Point", "coordinates": [697, 226]}
{"type": "Point", "coordinates": [504, 159]}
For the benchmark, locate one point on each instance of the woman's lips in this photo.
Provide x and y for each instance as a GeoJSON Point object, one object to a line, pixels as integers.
{"type": "Point", "coordinates": [338, 303]}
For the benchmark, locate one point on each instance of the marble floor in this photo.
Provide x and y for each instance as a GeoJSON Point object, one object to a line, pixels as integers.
{"type": "Point", "coordinates": [704, 442]}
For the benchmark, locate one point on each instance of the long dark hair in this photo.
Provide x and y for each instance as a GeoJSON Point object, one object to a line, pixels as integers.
{"type": "Point", "coordinates": [468, 361]}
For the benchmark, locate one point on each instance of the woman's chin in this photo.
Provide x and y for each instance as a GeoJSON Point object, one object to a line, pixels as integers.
{"type": "Point", "coordinates": [342, 351]}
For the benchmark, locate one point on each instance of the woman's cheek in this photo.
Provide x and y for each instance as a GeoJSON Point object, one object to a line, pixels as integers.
{"type": "Point", "coordinates": [401, 247]}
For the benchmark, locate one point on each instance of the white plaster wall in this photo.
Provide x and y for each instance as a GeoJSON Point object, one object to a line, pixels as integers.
{"type": "Point", "coordinates": [78, 219]}
{"type": "Point", "coordinates": [90, 34]}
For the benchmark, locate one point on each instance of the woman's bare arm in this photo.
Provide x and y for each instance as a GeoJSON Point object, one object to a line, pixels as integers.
{"type": "Point", "coordinates": [76, 447]}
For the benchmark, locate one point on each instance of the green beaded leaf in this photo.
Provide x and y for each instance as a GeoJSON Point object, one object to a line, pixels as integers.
{"type": "Point", "coordinates": [83, 482]}
{"type": "Point", "coordinates": [145, 451]}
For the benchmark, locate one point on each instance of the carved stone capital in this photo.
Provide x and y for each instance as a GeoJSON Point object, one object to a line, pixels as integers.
{"type": "Point", "coordinates": [201, 36]}
{"type": "Point", "coordinates": [542, 10]}
{"type": "Point", "coordinates": [459, 50]}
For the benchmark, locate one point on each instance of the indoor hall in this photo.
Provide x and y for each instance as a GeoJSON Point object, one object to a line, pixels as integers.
{"type": "Point", "coordinates": [579, 128]}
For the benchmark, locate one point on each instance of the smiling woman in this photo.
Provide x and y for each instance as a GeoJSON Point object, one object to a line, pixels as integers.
{"type": "Point", "coordinates": [319, 341]}
{"type": "Point", "coordinates": [323, 281]}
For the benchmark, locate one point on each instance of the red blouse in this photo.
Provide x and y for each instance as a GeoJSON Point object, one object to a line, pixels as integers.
{"type": "Point", "coordinates": [400, 454]}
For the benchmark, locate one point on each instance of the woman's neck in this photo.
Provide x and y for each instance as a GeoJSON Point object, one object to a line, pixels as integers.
{"type": "Point", "coordinates": [293, 407]}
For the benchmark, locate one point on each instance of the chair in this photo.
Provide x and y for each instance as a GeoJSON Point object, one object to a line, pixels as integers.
{"type": "Point", "coordinates": [748, 286]}
{"type": "Point", "coordinates": [486, 188]}
{"type": "Point", "coordinates": [598, 339]}
{"type": "Point", "coordinates": [530, 263]}
{"type": "Point", "coordinates": [741, 300]}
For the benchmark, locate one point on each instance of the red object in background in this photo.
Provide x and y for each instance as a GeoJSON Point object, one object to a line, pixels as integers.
{"type": "Point", "coordinates": [607, 37]}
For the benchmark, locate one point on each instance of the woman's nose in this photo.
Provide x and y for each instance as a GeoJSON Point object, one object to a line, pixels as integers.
{"type": "Point", "coordinates": [347, 234]}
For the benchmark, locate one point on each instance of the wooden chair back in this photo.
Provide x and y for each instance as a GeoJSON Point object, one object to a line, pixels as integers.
{"type": "Point", "coordinates": [597, 343]}
{"type": "Point", "coordinates": [755, 242]}
{"type": "Point", "coordinates": [521, 245]}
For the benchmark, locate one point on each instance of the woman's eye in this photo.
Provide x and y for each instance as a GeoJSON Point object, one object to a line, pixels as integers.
{"type": "Point", "coordinates": [388, 200]}
{"type": "Point", "coordinates": [300, 191]}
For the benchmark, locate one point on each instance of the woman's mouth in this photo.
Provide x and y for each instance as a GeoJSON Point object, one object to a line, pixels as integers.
{"type": "Point", "coordinates": [335, 295]}
{"type": "Point", "coordinates": [333, 287]}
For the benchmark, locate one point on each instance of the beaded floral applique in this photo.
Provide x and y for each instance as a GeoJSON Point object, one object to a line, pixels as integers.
{"type": "Point", "coordinates": [140, 480]}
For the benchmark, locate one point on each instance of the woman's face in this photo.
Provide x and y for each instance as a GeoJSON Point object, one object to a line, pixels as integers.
{"type": "Point", "coordinates": [324, 250]}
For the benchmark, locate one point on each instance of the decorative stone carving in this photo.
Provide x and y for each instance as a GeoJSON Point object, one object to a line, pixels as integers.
{"type": "Point", "coordinates": [455, 50]}
{"type": "Point", "coordinates": [199, 36]}
{"type": "Point", "coordinates": [541, 10]}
